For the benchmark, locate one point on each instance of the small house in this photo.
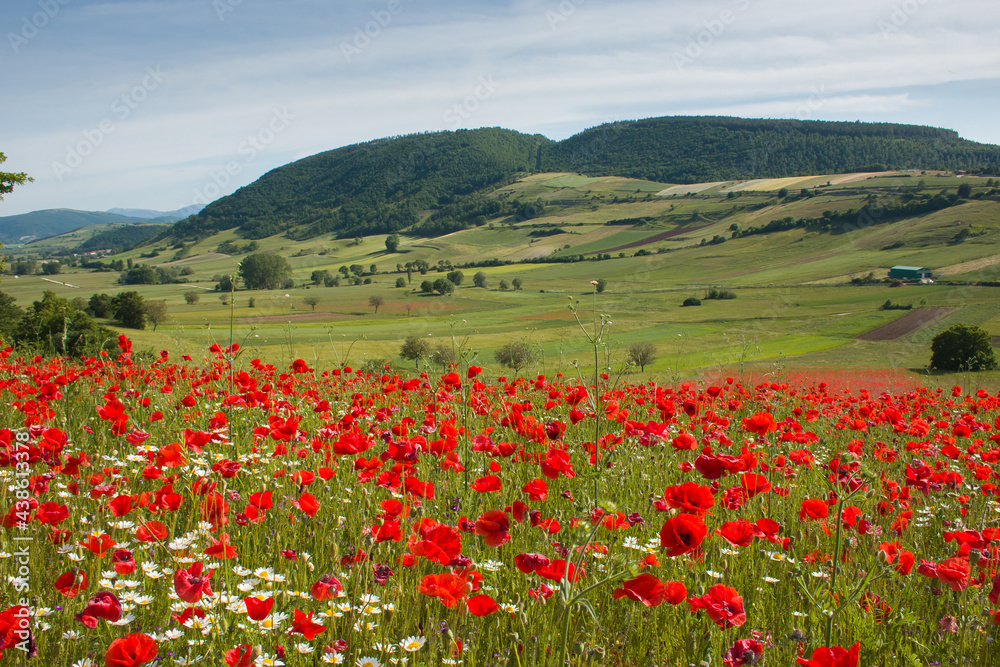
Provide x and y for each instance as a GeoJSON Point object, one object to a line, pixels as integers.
{"type": "Point", "coordinates": [911, 273]}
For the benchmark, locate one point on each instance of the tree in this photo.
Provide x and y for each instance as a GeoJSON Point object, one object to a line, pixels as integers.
{"type": "Point", "coordinates": [504, 285]}
{"type": "Point", "coordinates": [691, 301]}
{"type": "Point", "coordinates": [101, 305]}
{"type": "Point", "coordinates": [442, 355]}
{"type": "Point", "coordinates": [9, 180]}
{"type": "Point", "coordinates": [479, 280]}
{"type": "Point", "coordinates": [642, 354]}
{"type": "Point", "coordinates": [311, 301]}
{"type": "Point", "coordinates": [456, 277]}
{"type": "Point", "coordinates": [129, 309]}
{"type": "Point", "coordinates": [516, 283]}
{"type": "Point", "coordinates": [225, 284]}
{"type": "Point", "coordinates": [376, 301]}
{"type": "Point", "coordinates": [963, 348]}
{"type": "Point", "coordinates": [400, 282]}
{"type": "Point", "coordinates": [515, 355]}
{"type": "Point", "coordinates": [319, 276]}
{"type": "Point", "coordinates": [600, 284]}
{"type": "Point", "coordinates": [51, 268]}
{"type": "Point", "coordinates": [392, 242]}
{"type": "Point", "coordinates": [782, 193]}
{"type": "Point", "coordinates": [965, 191]}
{"type": "Point", "coordinates": [156, 312]}
{"type": "Point", "coordinates": [414, 349]}
{"type": "Point", "coordinates": [55, 325]}
{"type": "Point", "coordinates": [140, 274]}
{"type": "Point", "coordinates": [192, 297]}
{"type": "Point", "coordinates": [427, 287]}
{"type": "Point", "coordinates": [10, 318]}
{"type": "Point", "coordinates": [264, 271]}
{"type": "Point", "coordinates": [443, 286]}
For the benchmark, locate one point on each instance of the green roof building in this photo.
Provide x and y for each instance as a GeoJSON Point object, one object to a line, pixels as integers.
{"type": "Point", "coordinates": [910, 273]}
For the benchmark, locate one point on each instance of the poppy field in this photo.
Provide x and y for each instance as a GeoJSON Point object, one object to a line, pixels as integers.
{"type": "Point", "coordinates": [224, 511]}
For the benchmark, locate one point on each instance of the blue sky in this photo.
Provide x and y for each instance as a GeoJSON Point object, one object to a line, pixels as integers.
{"type": "Point", "coordinates": [164, 103]}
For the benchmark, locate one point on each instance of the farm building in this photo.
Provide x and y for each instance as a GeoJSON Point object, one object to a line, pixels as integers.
{"type": "Point", "coordinates": [910, 273]}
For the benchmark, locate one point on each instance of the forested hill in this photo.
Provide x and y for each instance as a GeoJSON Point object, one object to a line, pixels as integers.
{"type": "Point", "coordinates": [379, 186]}
{"type": "Point", "coordinates": [702, 149]}
{"type": "Point", "coordinates": [387, 185]}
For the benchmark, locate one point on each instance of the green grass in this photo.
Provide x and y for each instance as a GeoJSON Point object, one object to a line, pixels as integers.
{"type": "Point", "coordinates": [794, 305]}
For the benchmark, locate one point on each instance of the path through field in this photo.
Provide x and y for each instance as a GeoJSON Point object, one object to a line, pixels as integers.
{"type": "Point", "coordinates": [907, 324]}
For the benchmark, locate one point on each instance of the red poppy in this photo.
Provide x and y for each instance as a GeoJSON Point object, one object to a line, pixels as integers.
{"type": "Point", "coordinates": [130, 651]}
{"type": "Point", "coordinates": [537, 489]}
{"type": "Point", "coordinates": [258, 609]}
{"type": "Point", "coordinates": [558, 570]}
{"type": "Point", "coordinates": [15, 628]}
{"type": "Point", "coordinates": [650, 591]}
{"type": "Point", "coordinates": [689, 498]}
{"type": "Point", "coordinates": [307, 503]}
{"type": "Point", "coordinates": [71, 582]}
{"type": "Point", "coordinates": [99, 545]}
{"type": "Point", "coordinates": [447, 588]}
{"type": "Point", "coordinates": [682, 534]}
{"type": "Point", "coordinates": [221, 548]}
{"type": "Point", "coordinates": [722, 604]}
{"type": "Point", "coordinates": [684, 442]}
{"type": "Point", "coordinates": [486, 484]}
{"type": "Point", "coordinates": [103, 605]}
{"type": "Point", "coordinates": [954, 573]}
{"type": "Point", "coordinates": [438, 542]}
{"type": "Point", "coordinates": [388, 530]}
{"type": "Point", "coordinates": [240, 656]}
{"type": "Point", "coordinates": [530, 562]}
{"type": "Point", "coordinates": [834, 656]}
{"type": "Point", "coordinates": [482, 605]}
{"type": "Point", "coordinates": [492, 526]}
{"type": "Point", "coordinates": [739, 533]}
{"type": "Point", "coordinates": [52, 513]}
{"type": "Point", "coordinates": [123, 561]}
{"type": "Point", "coordinates": [191, 584]}
{"type": "Point", "coordinates": [302, 624]}
{"type": "Point", "coordinates": [327, 586]}
{"type": "Point", "coordinates": [754, 484]}
{"type": "Point", "coordinates": [761, 423]}
{"type": "Point", "coordinates": [151, 531]}
{"type": "Point", "coordinates": [813, 509]}
{"type": "Point", "coordinates": [743, 652]}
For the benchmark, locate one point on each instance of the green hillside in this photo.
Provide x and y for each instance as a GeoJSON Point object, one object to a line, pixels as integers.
{"type": "Point", "coordinates": [698, 149]}
{"type": "Point", "coordinates": [377, 187]}
{"type": "Point", "coordinates": [437, 183]}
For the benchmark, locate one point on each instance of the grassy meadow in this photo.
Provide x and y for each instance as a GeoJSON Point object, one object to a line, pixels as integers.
{"type": "Point", "coordinates": [795, 308]}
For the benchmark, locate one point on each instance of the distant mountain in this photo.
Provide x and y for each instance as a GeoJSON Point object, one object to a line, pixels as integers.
{"type": "Point", "coordinates": [42, 224]}
{"type": "Point", "coordinates": [27, 227]}
{"type": "Point", "coordinates": [148, 214]}
{"type": "Point", "coordinates": [435, 183]}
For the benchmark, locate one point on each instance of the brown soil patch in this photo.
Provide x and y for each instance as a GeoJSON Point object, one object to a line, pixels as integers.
{"type": "Point", "coordinates": [907, 324]}
{"type": "Point", "coordinates": [652, 239]}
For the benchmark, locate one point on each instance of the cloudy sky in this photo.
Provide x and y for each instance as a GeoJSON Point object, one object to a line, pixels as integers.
{"type": "Point", "coordinates": [164, 103]}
